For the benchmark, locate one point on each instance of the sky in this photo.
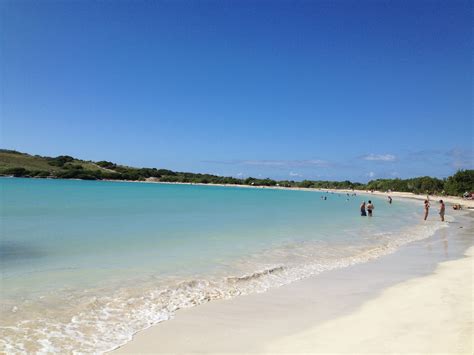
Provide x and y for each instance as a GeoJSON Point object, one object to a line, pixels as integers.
{"type": "Point", "coordinates": [296, 90]}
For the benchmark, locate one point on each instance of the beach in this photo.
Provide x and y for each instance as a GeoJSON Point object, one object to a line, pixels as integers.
{"type": "Point", "coordinates": [236, 177]}
{"type": "Point", "coordinates": [417, 300]}
{"type": "Point", "coordinates": [431, 314]}
{"type": "Point", "coordinates": [181, 268]}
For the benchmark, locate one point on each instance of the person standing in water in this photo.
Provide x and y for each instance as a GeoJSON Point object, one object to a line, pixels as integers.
{"type": "Point", "coordinates": [389, 200]}
{"type": "Point", "coordinates": [442, 209]}
{"type": "Point", "coordinates": [427, 209]}
{"type": "Point", "coordinates": [362, 209]}
{"type": "Point", "coordinates": [370, 208]}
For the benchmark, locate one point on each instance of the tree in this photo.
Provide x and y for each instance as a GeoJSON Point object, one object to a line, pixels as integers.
{"type": "Point", "coordinates": [16, 172]}
{"type": "Point", "coordinates": [459, 183]}
{"type": "Point", "coordinates": [306, 183]}
{"type": "Point", "coordinates": [60, 160]}
{"type": "Point", "coordinates": [106, 164]}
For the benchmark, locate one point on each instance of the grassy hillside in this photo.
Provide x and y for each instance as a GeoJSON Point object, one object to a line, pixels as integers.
{"type": "Point", "coordinates": [10, 159]}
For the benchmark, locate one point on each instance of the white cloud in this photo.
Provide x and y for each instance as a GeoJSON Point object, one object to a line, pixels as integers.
{"type": "Point", "coordinates": [295, 174]}
{"type": "Point", "coordinates": [379, 157]}
{"type": "Point", "coordinates": [240, 174]}
{"type": "Point", "coordinates": [370, 174]}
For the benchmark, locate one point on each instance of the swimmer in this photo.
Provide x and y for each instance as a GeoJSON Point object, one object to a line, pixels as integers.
{"type": "Point", "coordinates": [427, 209]}
{"type": "Point", "coordinates": [442, 209]}
{"type": "Point", "coordinates": [370, 208]}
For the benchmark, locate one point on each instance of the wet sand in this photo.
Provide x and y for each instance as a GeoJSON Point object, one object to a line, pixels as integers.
{"type": "Point", "coordinates": [417, 300]}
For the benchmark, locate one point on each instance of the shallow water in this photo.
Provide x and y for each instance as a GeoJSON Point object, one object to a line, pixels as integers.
{"type": "Point", "coordinates": [85, 264]}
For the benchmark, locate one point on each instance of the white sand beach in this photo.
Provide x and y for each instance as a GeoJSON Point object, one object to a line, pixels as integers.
{"type": "Point", "coordinates": [432, 314]}
{"type": "Point", "coordinates": [406, 302]}
{"type": "Point", "coordinates": [236, 177]}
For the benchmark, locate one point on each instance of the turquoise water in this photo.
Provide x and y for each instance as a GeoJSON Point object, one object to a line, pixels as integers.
{"type": "Point", "coordinates": [85, 264]}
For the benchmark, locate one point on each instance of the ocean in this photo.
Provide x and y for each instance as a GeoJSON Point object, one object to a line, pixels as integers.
{"type": "Point", "coordinates": [87, 264]}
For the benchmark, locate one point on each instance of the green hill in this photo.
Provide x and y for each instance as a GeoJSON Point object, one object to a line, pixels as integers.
{"type": "Point", "coordinates": [12, 163]}
{"type": "Point", "coordinates": [14, 159]}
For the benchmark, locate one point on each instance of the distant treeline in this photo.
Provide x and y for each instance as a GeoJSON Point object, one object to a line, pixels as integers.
{"type": "Point", "coordinates": [67, 167]}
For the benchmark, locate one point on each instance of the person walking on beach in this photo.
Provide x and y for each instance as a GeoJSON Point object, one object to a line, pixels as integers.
{"type": "Point", "coordinates": [427, 209]}
{"type": "Point", "coordinates": [370, 208]}
{"type": "Point", "coordinates": [442, 209]}
{"type": "Point", "coordinates": [362, 209]}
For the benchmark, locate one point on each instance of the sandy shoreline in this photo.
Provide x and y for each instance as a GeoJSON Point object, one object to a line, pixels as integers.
{"type": "Point", "coordinates": [431, 314]}
{"type": "Point", "coordinates": [418, 300]}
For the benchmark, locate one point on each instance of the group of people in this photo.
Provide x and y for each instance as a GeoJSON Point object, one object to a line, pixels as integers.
{"type": "Point", "coordinates": [366, 209]}
{"type": "Point", "coordinates": [442, 209]}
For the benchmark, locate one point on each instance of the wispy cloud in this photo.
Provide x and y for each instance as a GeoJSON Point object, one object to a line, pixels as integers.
{"type": "Point", "coordinates": [287, 163]}
{"type": "Point", "coordinates": [423, 154]}
{"type": "Point", "coordinates": [456, 158]}
{"type": "Point", "coordinates": [293, 174]}
{"type": "Point", "coordinates": [461, 158]}
{"type": "Point", "coordinates": [379, 157]}
{"type": "Point", "coordinates": [370, 174]}
{"type": "Point", "coordinates": [275, 163]}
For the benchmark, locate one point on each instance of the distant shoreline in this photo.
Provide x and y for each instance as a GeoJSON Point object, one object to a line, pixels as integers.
{"type": "Point", "coordinates": [404, 195]}
{"type": "Point", "coordinates": [449, 199]}
{"type": "Point", "coordinates": [409, 195]}
{"type": "Point", "coordinates": [18, 164]}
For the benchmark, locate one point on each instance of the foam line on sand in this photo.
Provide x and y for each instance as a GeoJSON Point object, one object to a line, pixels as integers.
{"type": "Point", "coordinates": [431, 314]}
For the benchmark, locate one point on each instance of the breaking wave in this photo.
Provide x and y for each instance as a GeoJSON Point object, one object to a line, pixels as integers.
{"type": "Point", "coordinates": [97, 322]}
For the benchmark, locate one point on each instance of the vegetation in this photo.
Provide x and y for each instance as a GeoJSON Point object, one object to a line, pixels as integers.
{"type": "Point", "coordinates": [60, 160]}
{"type": "Point", "coordinates": [424, 184]}
{"type": "Point", "coordinates": [13, 163]}
{"type": "Point", "coordinates": [459, 183]}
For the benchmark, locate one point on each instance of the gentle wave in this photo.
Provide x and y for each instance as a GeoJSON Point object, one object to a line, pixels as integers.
{"type": "Point", "coordinates": [255, 275]}
{"type": "Point", "coordinates": [100, 324]}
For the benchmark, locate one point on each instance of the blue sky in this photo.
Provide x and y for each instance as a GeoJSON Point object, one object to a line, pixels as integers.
{"type": "Point", "coordinates": [283, 89]}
